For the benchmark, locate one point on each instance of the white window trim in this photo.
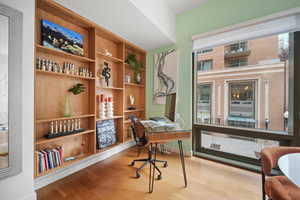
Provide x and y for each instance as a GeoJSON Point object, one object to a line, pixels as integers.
{"type": "Point", "coordinates": [285, 21]}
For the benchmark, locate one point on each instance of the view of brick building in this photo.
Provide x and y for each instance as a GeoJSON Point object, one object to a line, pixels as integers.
{"type": "Point", "coordinates": [244, 84]}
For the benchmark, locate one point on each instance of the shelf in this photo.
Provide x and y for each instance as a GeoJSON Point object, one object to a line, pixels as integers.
{"type": "Point", "coordinates": [134, 85]}
{"type": "Point", "coordinates": [110, 58]}
{"type": "Point", "coordinates": [114, 117]}
{"type": "Point", "coordinates": [128, 139]}
{"type": "Point", "coordinates": [109, 88]}
{"type": "Point", "coordinates": [127, 121]}
{"type": "Point", "coordinates": [66, 75]}
{"type": "Point", "coordinates": [45, 140]}
{"type": "Point", "coordinates": [62, 118]}
{"type": "Point", "coordinates": [127, 65]}
{"type": "Point", "coordinates": [132, 111]}
{"type": "Point", "coordinates": [43, 49]}
{"type": "Point", "coordinates": [65, 164]}
{"type": "Point", "coordinates": [107, 148]}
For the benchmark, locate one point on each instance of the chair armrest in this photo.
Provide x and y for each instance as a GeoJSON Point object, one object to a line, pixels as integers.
{"type": "Point", "coordinates": [270, 156]}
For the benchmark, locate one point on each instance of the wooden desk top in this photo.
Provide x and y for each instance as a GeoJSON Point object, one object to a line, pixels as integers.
{"type": "Point", "coordinates": [157, 132]}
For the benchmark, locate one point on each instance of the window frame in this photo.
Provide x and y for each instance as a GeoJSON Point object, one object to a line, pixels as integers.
{"type": "Point", "coordinates": [202, 65]}
{"type": "Point", "coordinates": [283, 139]}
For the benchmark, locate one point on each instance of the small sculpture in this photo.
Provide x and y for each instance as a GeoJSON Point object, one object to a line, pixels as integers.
{"type": "Point", "coordinates": [131, 102]}
{"type": "Point", "coordinates": [106, 73]}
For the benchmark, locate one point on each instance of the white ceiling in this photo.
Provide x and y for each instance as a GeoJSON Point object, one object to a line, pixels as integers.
{"type": "Point", "coordinates": [147, 23]}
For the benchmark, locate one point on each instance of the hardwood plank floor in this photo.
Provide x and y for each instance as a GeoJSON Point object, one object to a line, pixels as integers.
{"type": "Point", "coordinates": [112, 179]}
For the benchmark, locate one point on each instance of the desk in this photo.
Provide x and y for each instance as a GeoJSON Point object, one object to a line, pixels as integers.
{"type": "Point", "coordinates": [289, 165]}
{"type": "Point", "coordinates": [156, 132]}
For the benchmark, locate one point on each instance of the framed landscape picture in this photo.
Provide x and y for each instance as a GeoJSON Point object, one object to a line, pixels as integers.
{"type": "Point", "coordinates": [57, 37]}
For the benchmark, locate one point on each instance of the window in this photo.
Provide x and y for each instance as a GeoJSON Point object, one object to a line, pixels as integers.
{"type": "Point", "coordinates": [250, 97]}
{"type": "Point", "coordinates": [260, 99]}
{"type": "Point", "coordinates": [237, 47]}
{"type": "Point", "coordinates": [242, 104]}
{"type": "Point", "coordinates": [204, 99]}
{"type": "Point", "coordinates": [237, 62]}
{"type": "Point", "coordinates": [204, 65]}
{"type": "Point", "coordinates": [205, 51]}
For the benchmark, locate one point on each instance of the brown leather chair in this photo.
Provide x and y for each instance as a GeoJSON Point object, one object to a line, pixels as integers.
{"type": "Point", "coordinates": [269, 160]}
{"type": "Point", "coordinates": [280, 188]}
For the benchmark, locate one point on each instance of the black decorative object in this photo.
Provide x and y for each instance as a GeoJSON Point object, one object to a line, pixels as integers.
{"type": "Point", "coordinates": [106, 73]}
{"type": "Point", "coordinates": [54, 135]}
{"type": "Point", "coordinates": [106, 133]}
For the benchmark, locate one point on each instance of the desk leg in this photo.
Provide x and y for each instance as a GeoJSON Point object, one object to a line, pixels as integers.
{"type": "Point", "coordinates": [152, 168]}
{"type": "Point", "coordinates": [182, 161]}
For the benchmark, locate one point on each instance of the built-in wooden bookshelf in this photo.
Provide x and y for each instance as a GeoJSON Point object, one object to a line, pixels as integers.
{"type": "Point", "coordinates": [51, 88]}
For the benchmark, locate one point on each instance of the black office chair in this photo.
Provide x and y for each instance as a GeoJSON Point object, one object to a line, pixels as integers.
{"type": "Point", "coordinates": [141, 142]}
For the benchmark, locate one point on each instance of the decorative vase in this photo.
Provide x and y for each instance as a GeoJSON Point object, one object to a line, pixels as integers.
{"type": "Point", "coordinates": [67, 107]}
{"type": "Point", "coordinates": [138, 78]}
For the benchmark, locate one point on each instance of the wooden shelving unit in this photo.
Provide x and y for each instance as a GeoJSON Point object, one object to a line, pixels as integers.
{"type": "Point", "coordinates": [110, 58]}
{"type": "Point", "coordinates": [47, 50]}
{"type": "Point", "coordinates": [45, 140]}
{"type": "Point", "coordinates": [109, 88]}
{"type": "Point", "coordinates": [114, 117]}
{"type": "Point", "coordinates": [63, 118]}
{"type": "Point", "coordinates": [63, 74]}
{"type": "Point", "coordinates": [51, 87]}
{"type": "Point", "coordinates": [134, 85]}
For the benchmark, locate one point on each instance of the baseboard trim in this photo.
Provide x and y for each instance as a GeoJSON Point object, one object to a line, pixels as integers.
{"type": "Point", "coordinates": [61, 173]}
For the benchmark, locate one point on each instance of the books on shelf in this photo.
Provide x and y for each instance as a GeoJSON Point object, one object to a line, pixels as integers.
{"type": "Point", "coordinates": [48, 159]}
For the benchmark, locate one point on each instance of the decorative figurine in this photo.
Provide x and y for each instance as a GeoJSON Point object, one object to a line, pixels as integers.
{"type": "Point", "coordinates": [65, 126]}
{"type": "Point", "coordinates": [131, 102]}
{"type": "Point", "coordinates": [106, 73]}
{"type": "Point", "coordinates": [76, 124]}
{"type": "Point", "coordinates": [127, 79]}
{"type": "Point", "coordinates": [69, 125]}
{"type": "Point", "coordinates": [56, 126]}
{"type": "Point", "coordinates": [52, 127]}
{"type": "Point", "coordinates": [60, 127]}
{"type": "Point", "coordinates": [107, 53]}
{"type": "Point", "coordinates": [72, 125]}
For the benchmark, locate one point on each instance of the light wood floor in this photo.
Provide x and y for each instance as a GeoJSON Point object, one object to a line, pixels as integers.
{"type": "Point", "coordinates": [111, 180]}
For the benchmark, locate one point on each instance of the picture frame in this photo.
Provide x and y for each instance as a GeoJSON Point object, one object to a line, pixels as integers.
{"type": "Point", "coordinates": [60, 38]}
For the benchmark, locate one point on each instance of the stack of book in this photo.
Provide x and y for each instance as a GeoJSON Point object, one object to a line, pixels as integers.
{"type": "Point", "coordinates": [49, 159]}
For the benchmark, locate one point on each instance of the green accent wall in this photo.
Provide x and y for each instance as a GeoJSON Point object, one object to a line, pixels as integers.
{"type": "Point", "coordinates": [214, 14]}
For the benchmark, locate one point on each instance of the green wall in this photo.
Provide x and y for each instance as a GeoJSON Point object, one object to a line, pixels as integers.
{"type": "Point", "coordinates": [214, 14]}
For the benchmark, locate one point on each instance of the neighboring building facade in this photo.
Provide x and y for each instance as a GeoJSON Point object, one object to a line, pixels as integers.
{"type": "Point", "coordinates": [244, 84]}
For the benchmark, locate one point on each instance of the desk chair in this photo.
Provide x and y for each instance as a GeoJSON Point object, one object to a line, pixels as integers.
{"type": "Point", "coordinates": [141, 142]}
{"type": "Point", "coordinates": [269, 160]}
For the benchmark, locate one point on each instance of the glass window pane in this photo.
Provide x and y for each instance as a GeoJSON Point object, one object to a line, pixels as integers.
{"type": "Point", "coordinates": [238, 145]}
{"type": "Point", "coordinates": [204, 102]}
{"type": "Point", "coordinates": [250, 81]}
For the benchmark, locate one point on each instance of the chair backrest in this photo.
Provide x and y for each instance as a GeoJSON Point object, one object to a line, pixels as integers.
{"type": "Point", "coordinates": [136, 128]}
